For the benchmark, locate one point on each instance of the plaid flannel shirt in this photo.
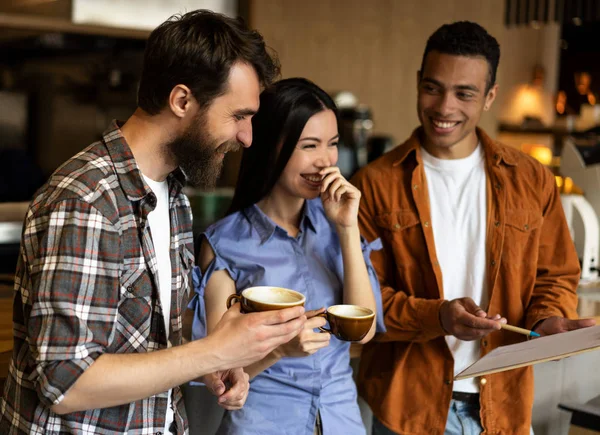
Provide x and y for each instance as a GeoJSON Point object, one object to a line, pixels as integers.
{"type": "Point", "coordinates": [86, 285]}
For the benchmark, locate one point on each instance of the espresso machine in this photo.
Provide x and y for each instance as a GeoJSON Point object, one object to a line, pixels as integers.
{"type": "Point", "coordinates": [358, 144]}
{"type": "Point", "coordinates": [356, 126]}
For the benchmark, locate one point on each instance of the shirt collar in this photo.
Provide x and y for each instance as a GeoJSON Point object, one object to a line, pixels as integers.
{"type": "Point", "coordinates": [309, 218]}
{"type": "Point", "coordinates": [266, 227]}
{"type": "Point", "coordinates": [128, 172]}
{"type": "Point", "coordinates": [493, 151]}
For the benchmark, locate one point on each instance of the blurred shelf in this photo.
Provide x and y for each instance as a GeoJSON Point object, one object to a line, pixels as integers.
{"type": "Point", "coordinates": [13, 211]}
{"type": "Point", "coordinates": [510, 128]}
{"type": "Point", "coordinates": [46, 24]}
{"type": "Point", "coordinates": [556, 130]}
{"type": "Point", "coordinates": [10, 232]}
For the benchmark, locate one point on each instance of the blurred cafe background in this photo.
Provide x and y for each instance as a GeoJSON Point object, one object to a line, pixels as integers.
{"type": "Point", "coordinates": [67, 67]}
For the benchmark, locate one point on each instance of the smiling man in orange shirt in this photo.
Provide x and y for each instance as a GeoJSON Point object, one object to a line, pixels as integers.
{"type": "Point", "coordinates": [472, 231]}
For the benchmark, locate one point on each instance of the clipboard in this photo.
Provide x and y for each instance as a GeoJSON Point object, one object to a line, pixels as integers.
{"type": "Point", "coordinates": [531, 352]}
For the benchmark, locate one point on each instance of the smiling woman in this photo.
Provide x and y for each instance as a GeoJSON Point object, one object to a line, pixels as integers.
{"type": "Point", "coordinates": [279, 131]}
{"type": "Point", "coordinates": [293, 224]}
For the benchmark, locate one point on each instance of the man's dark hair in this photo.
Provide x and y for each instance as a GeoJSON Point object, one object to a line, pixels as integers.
{"type": "Point", "coordinates": [465, 38]}
{"type": "Point", "coordinates": [197, 50]}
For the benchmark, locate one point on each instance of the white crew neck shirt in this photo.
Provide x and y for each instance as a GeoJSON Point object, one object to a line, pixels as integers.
{"type": "Point", "coordinates": [160, 227]}
{"type": "Point", "coordinates": [457, 196]}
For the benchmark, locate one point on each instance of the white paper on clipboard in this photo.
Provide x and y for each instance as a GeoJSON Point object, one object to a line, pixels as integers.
{"type": "Point", "coordinates": [538, 350]}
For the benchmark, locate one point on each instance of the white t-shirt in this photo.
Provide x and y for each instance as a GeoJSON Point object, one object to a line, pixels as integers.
{"type": "Point", "coordinates": [457, 196]}
{"type": "Point", "coordinates": [160, 227]}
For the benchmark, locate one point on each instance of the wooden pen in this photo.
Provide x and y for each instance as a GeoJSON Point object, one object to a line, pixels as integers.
{"type": "Point", "coordinates": [520, 330]}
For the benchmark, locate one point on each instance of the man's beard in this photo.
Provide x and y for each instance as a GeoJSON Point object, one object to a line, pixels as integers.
{"type": "Point", "coordinates": [197, 154]}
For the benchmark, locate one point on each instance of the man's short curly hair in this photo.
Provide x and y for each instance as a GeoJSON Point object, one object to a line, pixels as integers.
{"type": "Point", "coordinates": [465, 38]}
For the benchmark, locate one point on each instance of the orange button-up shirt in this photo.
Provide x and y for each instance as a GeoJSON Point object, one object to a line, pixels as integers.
{"type": "Point", "coordinates": [406, 374]}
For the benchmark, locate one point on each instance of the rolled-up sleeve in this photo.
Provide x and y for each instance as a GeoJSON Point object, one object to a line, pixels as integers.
{"type": "Point", "coordinates": [74, 255]}
{"type": "Point", "coordinates": [367, 248]}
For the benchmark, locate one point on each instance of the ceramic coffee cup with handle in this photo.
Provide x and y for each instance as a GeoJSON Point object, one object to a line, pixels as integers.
{"type": "Point", "coordinates": [348, 322]}
{"type": "Point", "coordinates": [266, 298]}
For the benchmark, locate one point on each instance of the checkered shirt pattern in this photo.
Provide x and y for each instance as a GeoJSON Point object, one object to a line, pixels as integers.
{"type": "Point", "coordinates": [86, 284]}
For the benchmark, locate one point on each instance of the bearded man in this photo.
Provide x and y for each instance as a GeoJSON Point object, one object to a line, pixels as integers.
{"type": "Point", "coordinates": [107, 247]}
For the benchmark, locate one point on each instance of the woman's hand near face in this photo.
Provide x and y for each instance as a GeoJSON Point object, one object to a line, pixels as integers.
{"type": "Point", "coordinates": [340, 198]}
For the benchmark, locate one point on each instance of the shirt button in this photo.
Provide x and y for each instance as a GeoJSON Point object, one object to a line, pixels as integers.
{"type": "Point", "coordinates": [415, 187]}
{"type": "Point", "coordinates": [526, 227]}
{"type": "Point", "coordinates": [397, 226]}
{"type": "Point", "coordinates": [493, 262]}
{"type": "Point", "coordinates": [498, 186]}
{"type": "Point", "coordinates": [448, 382]}
{"type": "Point", "coordinates": [483, 381]}
{"type": "Point", "coordinates": [496, 156]}
{"type": "Point", "coordinates": [130, 289]}
{"type": "Point", "coordinates": [426, 224]}
{"type": "Point", "coordinates": [484, 343]}
{"type": "Point", "coordinates": [497, 224]}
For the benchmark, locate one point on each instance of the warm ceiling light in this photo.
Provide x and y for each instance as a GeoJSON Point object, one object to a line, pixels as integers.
{"type": "Point", "coordinates": [583, 80]}
{"type": "Point", "coordinates": [561, 102]}
{"type": "Point", "coordinates": [568, 186]}
{"type": "Point", "coordinates": [559, 180]}
{"type": "Point", "coordinates": [591, 98]}
{"type": "Point", "coordinates": [541, 153]}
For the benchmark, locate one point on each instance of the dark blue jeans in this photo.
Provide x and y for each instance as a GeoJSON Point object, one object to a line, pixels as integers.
{"type": "Point", "coordinates": [463, 419]}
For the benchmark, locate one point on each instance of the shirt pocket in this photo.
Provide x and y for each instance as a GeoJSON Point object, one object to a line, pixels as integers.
{"type": "Point", "coordinates": [395, 222]}
{"type": "Point", "coordinates": [134, 318]}
{"type": "Point", "coordinates": [136, 283]}
{"type": "Point", "coordinates": [521, 238]}
{"type": "Point", "coordinates": [406, 254]}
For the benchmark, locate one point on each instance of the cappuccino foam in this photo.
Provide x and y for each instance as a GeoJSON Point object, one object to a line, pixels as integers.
{"type": "Point", "coordinates": [350, 311]}
{"type": "Point", "coordinates": [272, 295]}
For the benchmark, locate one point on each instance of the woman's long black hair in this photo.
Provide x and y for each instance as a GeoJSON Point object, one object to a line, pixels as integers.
{"type": "Point", "coordinates": [284, 110]}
